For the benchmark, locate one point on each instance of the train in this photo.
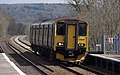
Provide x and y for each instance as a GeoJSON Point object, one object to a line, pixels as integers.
{"type": "Point", "coordinates": [61, 39]}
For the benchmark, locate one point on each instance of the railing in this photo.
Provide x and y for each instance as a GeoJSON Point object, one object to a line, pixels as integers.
{"type": "Point", "coordinates": [111, 44]}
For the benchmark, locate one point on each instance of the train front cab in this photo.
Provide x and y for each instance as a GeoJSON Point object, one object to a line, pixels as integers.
{"type": "Point", "coordinates": [71, 40]}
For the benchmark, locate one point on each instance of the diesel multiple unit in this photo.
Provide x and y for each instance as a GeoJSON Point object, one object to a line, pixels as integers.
{"type": "Point", "coordinates": [62, 39]}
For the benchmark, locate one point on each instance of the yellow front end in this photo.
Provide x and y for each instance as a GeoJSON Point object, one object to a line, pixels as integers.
{"type": "Point", "coordinates": [67, 47]}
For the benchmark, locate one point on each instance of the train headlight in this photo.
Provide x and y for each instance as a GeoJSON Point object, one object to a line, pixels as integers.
{"type": "Point", "coordinates": [60, 44]}
{"type": "Point", "coordinates": [81, 44]}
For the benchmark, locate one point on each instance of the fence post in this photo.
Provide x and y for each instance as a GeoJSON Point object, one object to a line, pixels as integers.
{"type": "Point", "coordinates": [118, 43]}
{"type": "Point", "coordinates": [103, 44]}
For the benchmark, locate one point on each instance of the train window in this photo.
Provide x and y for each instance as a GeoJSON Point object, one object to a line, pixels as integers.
{"type": "Point", "coordinates": [82, 29]}
{"type": "Point", "coordinates": [60, 28]}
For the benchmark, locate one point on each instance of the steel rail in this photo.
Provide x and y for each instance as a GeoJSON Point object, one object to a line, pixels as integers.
{"type": "Point", "coordinates": [36, 61]}
{"type": "Point", "coordinates": [90, 69]}
{"type": "Point", "coordinates": [73, 71]}
{"type": "Point", "coordinates": [20, 54]}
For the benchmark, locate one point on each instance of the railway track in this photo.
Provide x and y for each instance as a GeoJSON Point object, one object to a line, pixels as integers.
{"type": "Point", "coordinates": [81, 69]}
{"type": "Point", "coordinates": [32, 51]}
{"type": "Point", "coordinates": [40, 68]}
{"type": "Point", "coordinates": [20, 62]}
{"type": "Point", "coordinates": [76, 69]}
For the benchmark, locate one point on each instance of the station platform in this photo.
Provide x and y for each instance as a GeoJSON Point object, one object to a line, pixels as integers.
{"type": "Point", "coordinates": [108, 62]}
{"type": "Point", "coordinates": [7, 67]}
{"type": "Point", "coordinates": [112, 57]}
{"type": "Point", "coordinates": [22, 39]}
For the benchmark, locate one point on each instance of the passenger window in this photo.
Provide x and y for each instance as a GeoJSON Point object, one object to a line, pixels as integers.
{"type": "Point", "coordinates": [82, 29]}
{"type": "Point", "coordinates": [60, 28]}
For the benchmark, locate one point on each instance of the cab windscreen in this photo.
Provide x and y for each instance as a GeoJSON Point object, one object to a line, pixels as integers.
{"type": "Point", "coordinates": [60, 28]}
{"type": "Point", "coordinates": [82, 28]}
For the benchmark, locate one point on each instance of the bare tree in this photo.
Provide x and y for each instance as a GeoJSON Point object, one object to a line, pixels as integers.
{"type": "Point", "coordinates": [103, 17]}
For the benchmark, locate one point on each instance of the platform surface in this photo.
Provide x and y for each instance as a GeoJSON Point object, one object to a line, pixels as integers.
{"type": "Point", "coordinates": [25, 41]}
{"type": "Point", "coordinates": [113, 57]}
{"type": "Point", "coordinates": [7, 67]}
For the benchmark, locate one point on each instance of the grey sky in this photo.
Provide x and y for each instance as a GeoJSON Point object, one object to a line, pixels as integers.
{"type": "Point", "coordinates": [30, 1]}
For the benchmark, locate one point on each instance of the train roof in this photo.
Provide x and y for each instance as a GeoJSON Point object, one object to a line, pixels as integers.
{"type": "Point", "coordinates": [55, 20]}
{"type": "Point", "coordinates": [36, 24]}
{"type": "Point", "coordinates": [48, 22]}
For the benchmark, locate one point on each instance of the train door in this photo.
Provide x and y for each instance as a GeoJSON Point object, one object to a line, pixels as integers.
{"type": "Point", "coordinates": [71, 37]}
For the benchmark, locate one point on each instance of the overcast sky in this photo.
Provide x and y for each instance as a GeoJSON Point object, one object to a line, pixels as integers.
{"type": "Point", "coordinates": [30, 1]}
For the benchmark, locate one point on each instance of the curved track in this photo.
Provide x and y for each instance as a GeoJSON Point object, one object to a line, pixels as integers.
{"type": "Point", "coordinates": [20, 62]}
{"type": "Point", "coordinates": [38, 68]}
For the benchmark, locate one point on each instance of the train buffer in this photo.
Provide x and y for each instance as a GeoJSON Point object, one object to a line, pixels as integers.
{"type": "Point", "coordinates": [7, 67]}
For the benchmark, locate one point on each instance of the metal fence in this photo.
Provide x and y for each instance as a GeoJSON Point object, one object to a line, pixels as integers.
{"type": "Point", "coordinates": [111, 44]}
